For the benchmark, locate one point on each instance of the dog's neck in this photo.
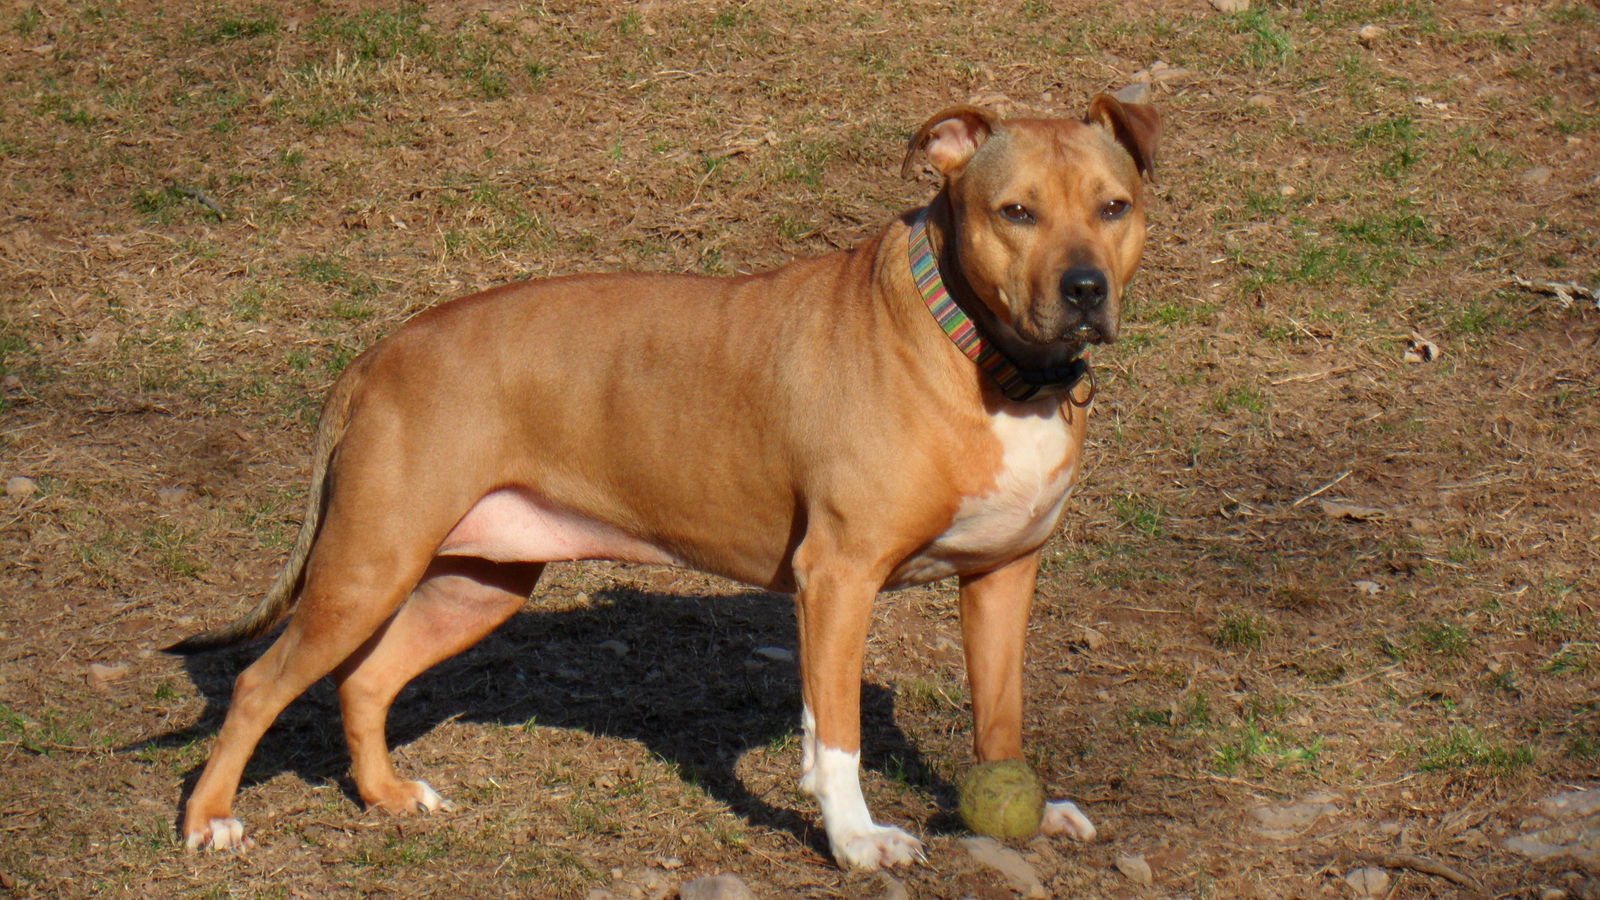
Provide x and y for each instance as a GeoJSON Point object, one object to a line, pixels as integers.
{"type": "Point", "coordinates": [964, 331]}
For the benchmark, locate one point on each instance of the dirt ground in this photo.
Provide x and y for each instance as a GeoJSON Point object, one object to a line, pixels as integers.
{"type": "Point", "coordinates": [1313, 609]}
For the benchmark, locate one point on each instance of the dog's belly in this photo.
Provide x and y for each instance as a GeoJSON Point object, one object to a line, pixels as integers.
{"type": "Point", "coordinates": [1037, 470]}
{"type": "Point", "coordinates": [517, 526]}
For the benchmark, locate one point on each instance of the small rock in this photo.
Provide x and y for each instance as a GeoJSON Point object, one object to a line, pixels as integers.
{"type": "Point", "coordinates": [1137, 92]}
{"type": "Point", "coordinates": [1367, 587]}
{"type": "Point", "coordinates": [716, 887]}
{"type": "Point", "coordinates": [615, 646]}
{"type": "Point", "coordinates": [1286, 820]}
{"type": "Point", "coordinates": [10, 383]}
{"type": "Point", "coordinates": [1570, 804]}
{"type": "Point", "coordinates": [669, 862]}
{"type": "Point", "coordinates": [103, 674]}
{"type": "Point", "coordinates": [1230, 6]}
{"type": "Point", "coordinates": [1553, 893]}
{"type": "Point", "coordinates": [172, 496]}
{"type": "Point", "coordinates": [1008, 862]}
{"type": "Point", "coordinates": [1160, 70]}
{"type": "Point", "coordinates": [892, 888]}
{"type": "Point", "coordinates": [1092, 638]}
{"type": "Point", "coordinates": [1369, 34]}
{"type": "Point", "coordinates": [1136, 868]}
{"type": "Point", "coordinates": [21, 487]}
{"type": "Point", "coordinates": [1258, 101]}
{"type": "Point", "coordinates": [1287, 190]}
{"type": "Point", "coordinates": [775, 654]}
{"type": "Point", "coordinates": [638, 884]}
{"type": "Point", "coordinates": [1538, 175]}
{"type": "Point", "coordinates": [1368, 881]}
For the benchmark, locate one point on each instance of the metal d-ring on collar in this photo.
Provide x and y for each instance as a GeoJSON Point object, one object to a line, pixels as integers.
{"type": "Point", "coordinates": [964, 333]}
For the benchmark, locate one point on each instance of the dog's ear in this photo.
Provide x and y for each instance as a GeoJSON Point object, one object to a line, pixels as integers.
{"type": "Point", "coordinates": [950, 138]}
{"type": "Point", "coordinates": [1136, 126]}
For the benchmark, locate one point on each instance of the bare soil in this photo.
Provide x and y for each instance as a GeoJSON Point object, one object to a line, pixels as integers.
{"type": "Point", "coordinates": [1299, 566]}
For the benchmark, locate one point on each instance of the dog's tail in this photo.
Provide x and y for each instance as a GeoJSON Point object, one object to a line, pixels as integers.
{"type": "Point", "coordinates": [281, 597]}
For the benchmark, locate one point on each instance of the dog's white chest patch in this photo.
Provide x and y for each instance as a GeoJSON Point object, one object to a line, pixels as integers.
{"type": "Point", "coordinates": [1017, 513]}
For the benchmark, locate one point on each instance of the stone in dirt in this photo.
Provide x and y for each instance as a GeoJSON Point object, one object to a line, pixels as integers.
{"type": "Point", "coordinates": [1008, 862]}
{"type": "Point", "coordinates": [21, 487]}
{"type": "Point", "coordinates": [1283, 821]}
{"type": "Point", "coordinates": [716, 887]}
{"type": "Point", "coordinates": [1136, 868]}
{"type": "Point", "coordinates": [103, 674]}
{"type": "Point", "coordinates": [1230, 6]}
{"type": "Point", "coordinates": [1368, 881]}
{"type": "Point", "coordinates": [892, 888]}
{"type": "Point", "coordinates": [635, 884]}
{"type": "Point", "coordinates": [1568, 826]}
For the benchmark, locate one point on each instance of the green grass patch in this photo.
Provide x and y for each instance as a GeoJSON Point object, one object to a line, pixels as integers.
{"type": "Point", "coordinates": [1465, 749]}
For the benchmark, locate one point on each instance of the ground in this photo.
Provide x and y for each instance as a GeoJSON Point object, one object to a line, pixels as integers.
{"type": "Point", "coordinates": [1314, 607]}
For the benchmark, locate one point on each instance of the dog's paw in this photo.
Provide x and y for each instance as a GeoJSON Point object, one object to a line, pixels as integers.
{"type": "Point", "coordinates": [876, 847]}
{"type": "Point", "coordinates": [218, 834]}
{"type": "Point", "coordinates": [1064, 818]}
{"type": "Point", "coordinates": [405, 797]}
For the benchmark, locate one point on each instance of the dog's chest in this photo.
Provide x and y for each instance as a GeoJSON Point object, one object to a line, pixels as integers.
{"type": "Point", "coordinates": [1037, 468]}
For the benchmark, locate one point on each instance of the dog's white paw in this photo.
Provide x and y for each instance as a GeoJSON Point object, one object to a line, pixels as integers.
{"type": "Point", "coordinates": [219, 834]}
{"type": "Point", "coordinates": [876, 847]}
{"type": "Point", "coordinates": [428, 799]}
{"type": "Point", "coordinates": [1063, 817]}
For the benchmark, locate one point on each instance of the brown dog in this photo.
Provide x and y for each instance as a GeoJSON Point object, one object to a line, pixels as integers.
{"type": "Point", "coordinates": [904, 411]}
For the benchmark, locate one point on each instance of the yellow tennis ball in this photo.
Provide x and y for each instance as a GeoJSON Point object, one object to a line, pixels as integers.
{"type": "Point", "coordinates": [1002, 799]}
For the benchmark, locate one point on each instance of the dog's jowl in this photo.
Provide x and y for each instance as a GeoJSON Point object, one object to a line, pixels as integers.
{"type": "Point", "coordinates": [907, 410]}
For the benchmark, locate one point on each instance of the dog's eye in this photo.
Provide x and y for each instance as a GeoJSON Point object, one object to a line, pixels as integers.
{"type": "Point", "coordinates": [1018, 213]}
{"type": "Point", "coordinates": [1113, 210]}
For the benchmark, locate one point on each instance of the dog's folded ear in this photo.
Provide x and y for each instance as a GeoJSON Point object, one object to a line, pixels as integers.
{"type": "Point", "coordinates": [1136, 126]}
{"type": "Point", "coordinates": [950, 138]}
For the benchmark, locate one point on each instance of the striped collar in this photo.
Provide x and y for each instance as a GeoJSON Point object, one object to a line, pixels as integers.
{"type": "Point", "coordinates": [964, 333]}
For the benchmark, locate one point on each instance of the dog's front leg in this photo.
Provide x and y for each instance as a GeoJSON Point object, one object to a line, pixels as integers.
{"type": "Point", "coordinates": [834, 612]}
{"type": "Point", "coordinates": [994, 628]}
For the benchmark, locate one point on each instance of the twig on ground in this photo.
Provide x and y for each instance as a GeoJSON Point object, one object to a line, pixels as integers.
{"type": "Point", "coordinates": [1321, 489]}
{"type": "Point", "coordinates": [200, 197]}
{"type": "Point", "coordinates": [1566, 292]}
{"type": "Point", "coordinates": [1413, 862]}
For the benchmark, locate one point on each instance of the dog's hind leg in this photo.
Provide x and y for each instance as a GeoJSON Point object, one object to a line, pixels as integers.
{"type": "Point", "coordinates": [460, 600]}
{"type": "Point", "coordinates": [367, 559]}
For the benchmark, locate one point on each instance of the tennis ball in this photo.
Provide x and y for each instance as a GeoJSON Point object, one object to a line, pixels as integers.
{"type": "Point", "coordinates": [1002, 799]}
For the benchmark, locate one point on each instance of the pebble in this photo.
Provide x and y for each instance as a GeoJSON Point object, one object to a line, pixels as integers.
{"type": "Point", "coordinates": [10, 383]}
{"type": "Point", "coordinates": [892, 888]}
{"type": "Point", "coordinates": [103, 673]}
{"type": "Point", "coordinates": [1230, 6]}
{"type": "Point", "coordinates": [716, 887]}
{"type": "Point", "coordinates": [1287, 820]}
{"type": "Point", "coordinates": [1368, 881]}
{"type": "Point", "coordinates": [1369, 34]}
{"type": "Point", "coordinates": [1008, 862]}
{"type": "Point", "coordinates": [1137, 92]}
{"type": "Point", "coordinates": [635, 884]}
{"type": "Point", "coordinates": [1538, 175]}
{"type": "Point", "coordinates": [775, 654]}
{"type": "Point", "coordinates": [21, 487]}
{"type": "Point", "coordinates": [1136, 868]}
{"type": "Point", "coordinates": [1568, 826]}
{"type": "Point", "coordinates": [172, 496]}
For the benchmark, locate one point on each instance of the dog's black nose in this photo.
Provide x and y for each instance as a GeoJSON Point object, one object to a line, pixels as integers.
{"type": "Point", "coordinates": [1084, 287]}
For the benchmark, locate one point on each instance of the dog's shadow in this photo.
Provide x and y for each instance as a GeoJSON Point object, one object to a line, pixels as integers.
{"type": "Point", "coordinates": [677, 673]}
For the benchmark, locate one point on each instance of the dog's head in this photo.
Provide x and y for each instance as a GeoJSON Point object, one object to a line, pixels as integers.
{"type": "Point", "coordinates": [1046, 219]}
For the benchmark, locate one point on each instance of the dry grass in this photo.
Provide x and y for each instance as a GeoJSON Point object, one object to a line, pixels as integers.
{"type": "Point", "coordinates": [207, 215]}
